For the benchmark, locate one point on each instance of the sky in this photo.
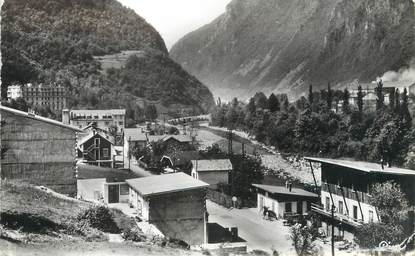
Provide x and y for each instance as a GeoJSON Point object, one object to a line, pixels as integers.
{"type": "Point", "coordinates": [175, 18]}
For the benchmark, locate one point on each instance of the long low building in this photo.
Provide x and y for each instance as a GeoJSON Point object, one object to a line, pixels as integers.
{"type": "Point", "coordinates": [284, 200]}
{"type": "Point", "coordinates": [174, 203]}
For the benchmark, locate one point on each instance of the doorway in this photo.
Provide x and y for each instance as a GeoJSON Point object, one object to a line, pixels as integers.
{"type": "Point", "coordinates": [113, 194]}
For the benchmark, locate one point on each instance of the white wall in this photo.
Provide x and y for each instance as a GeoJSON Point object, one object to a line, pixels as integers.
{"type": "Point", "coordinates": [88, 189]}
{"type": "Point", "coordinates": [350, 203]}
{"type": "Point", "coordinates": [275, 206]}
{"type": "Point", "coordinates": [140, 204]}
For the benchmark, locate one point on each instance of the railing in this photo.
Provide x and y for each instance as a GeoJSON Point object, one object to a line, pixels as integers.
{"type": "Point", "coordinates": [347, 192]}
{"type": "Point", "coordinates": [318, 208]}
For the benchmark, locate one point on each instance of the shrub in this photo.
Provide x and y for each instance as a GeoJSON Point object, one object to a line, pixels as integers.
{"type": "Point", "coordinates": [370, 235]}
{"type": "Point", "coordinates": [99, 217]}
{"type": "Point", "coordinates": [133, 234]}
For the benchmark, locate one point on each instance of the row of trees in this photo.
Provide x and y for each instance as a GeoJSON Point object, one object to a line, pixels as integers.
{"type": "Point", "coordinates": [326, 123]}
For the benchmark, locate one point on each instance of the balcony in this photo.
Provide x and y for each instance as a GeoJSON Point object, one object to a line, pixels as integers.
{"type": "Point", "coordinates": [347, 192]}
{"type": "Point", "coordinates": [344, 219]}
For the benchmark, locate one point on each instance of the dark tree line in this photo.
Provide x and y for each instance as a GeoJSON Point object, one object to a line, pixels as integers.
{"type": "Point", "coordinates": [326, 123]}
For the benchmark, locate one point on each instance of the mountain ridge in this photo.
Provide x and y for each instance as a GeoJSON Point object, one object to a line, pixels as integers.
{"type": "Point", "coordinates": [282, 47]}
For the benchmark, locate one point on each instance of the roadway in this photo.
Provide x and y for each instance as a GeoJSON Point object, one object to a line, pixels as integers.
{"type": "Point", "coordinates": [260, 234]}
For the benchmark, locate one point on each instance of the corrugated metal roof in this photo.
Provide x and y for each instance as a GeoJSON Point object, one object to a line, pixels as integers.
{"type": "Point", "coordinates": [363, 166]}
{"type": "Point", "coordinates": [212, 165]}
{"type": "Point", "coordinates": [39, 118]}
{"type": "Point", "coordinates": [167, 183]}
{"type": "Point", "coordinates": [285, 191]}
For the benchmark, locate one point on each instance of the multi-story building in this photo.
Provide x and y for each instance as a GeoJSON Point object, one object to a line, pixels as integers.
{"type": "Point", "coordinates": [38, 150]}
{"type": "Point", "coordinates": [347, 185]}
{"type": "Point", "coordinates": [14, 92]}
{"type": "Point", "coordinates": [53, 96]}
{"type": "Point", "coordinates": [101, 119]}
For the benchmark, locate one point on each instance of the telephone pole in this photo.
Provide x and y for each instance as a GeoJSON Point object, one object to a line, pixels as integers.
{"type": "Point", "coordinates": [230, 141]}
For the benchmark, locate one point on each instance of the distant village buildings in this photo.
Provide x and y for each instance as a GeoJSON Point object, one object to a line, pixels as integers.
{"type": "Point", "coordinates": [53, 96]}
{"type": "Point", "coordinates": [38, 150]}
{"type": "Point", "coordinates": [101, 119]}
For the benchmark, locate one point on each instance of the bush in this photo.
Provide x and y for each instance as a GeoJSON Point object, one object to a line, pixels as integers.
{"type": "Point", "coordinates": [99, 217]}
{"type": "Point", "coordinates": [133, 234]}
{"type": "Point", "coordinates": [369, 235]}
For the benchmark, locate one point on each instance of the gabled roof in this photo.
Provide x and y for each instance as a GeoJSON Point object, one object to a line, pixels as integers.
{"type": "Point", "coordinates": [90, 136]}
{"type": "Point", "coordinates": [39, 118]}
{"type": "Point", "coordinates": [180, 138]}
{"type": "Point", "coordinates": [167, 183]}
{"type": "Point", "coordinates": [282, 190]}
{"type": "Point", "coordinates": [212, 165]}
{"type": "Point", "coordinates": [363, 166]}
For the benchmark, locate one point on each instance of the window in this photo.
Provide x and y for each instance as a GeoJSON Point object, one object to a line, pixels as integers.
{"type": "Point", "coordinates": [105, 152]}
{"type": "Point", "coordinates": [327, 203]}
{"type": "Point", "coordinates": [121, 123]}
{"type": "Point", "coordinates": [341, 207]}
{"type": "Point", "coordinates": [124, 189]}
{"type": "Point", "coordinates": [370, 216]}
{"type": "Point", "coordinates": [355, 212]}
{"type": "Point", "coordinates": [96, 142]}
{"type": "Point", "coordinates": [288, 207]}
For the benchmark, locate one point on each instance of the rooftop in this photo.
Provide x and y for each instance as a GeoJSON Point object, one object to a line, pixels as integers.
{"type": "Point", "coordinates": [91, 135]}
{"type": "Point", "coordinates": [39, 118]}
{"type": "Point", "coordinates": [212, 165]}
{"type": "Point", "coordinates": [167, 183]}
{"type": "Point", "coordinates": [98, 111]}
{"type": "Point", "coordinates": [86, 172]}
{"type": "Point", "coordinates": [282, 190]}
{"type": "Point", "coordinates": [363, 166]}
{"type": "Point", "coordinates": [180, 138]}
{"type": "Point", "coordinates": [182, 157]}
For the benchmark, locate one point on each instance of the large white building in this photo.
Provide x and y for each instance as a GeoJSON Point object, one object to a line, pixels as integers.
{"type": "Point", "coordinates": [14, 92]}
{"type": "Point", "coordinates": [101, 119]}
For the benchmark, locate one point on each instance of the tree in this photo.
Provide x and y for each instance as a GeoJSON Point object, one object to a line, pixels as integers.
{"type": "Point", "coordinates": [151, 112]}
{"type": "Point", "coordinates": [397, 104]}
{"type": "Point", "coordinates": [346, 105]}
{"type": "Point", "coordinates": [404, 111]}
{"type": "Point", "coordinates": [113, 130]}
{"type": "Point", "coordinates": [273, 103]}
{"type": "Point", "coordinates": [392, 206]}
{"type": "Point", "coordinates": [261, 100]}
{"type": "Point", "coordinates": [303, 238]}
{"type": "Point", "coordinates": [329, 98]}
{"type": "Point", "coordinates": [310, 95]}
{"type": "Point", "coordinates": [360, 99]}
{"type": "Point", "coordinates": [380, 100]}
{"type": "Point", "coordinates": [390, 202]}
{"type": "Point", "coordinates": [251, 108]}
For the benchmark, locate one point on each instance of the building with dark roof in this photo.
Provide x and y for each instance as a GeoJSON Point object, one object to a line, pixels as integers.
{"type": "Point", "coordinates": [347, 184]}
{"type": "Point", "coordinates": [284, 200]}
{"type": "Point", "coordinates": [174, 203]}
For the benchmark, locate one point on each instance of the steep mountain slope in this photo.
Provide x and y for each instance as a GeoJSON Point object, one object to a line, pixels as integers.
{"type": "Point", "coordinates": [55, 41]}
{"type": "Point", "coordinates": [282, 46]}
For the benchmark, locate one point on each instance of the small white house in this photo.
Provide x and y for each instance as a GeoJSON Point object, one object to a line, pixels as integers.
{"type": "Point", "coordinates": [174, 203]}
{"type": "Point", "coordinates": [284, 200]}
{"type": "Point", "coordinates": [213, 171]}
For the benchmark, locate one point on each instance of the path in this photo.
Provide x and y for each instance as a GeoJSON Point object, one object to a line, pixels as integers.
{"type": "Point", "coordinates": [259, 233]}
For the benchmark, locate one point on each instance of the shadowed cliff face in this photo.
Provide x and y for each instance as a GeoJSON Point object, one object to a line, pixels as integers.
{"type": "Point", "coordinates": [282, 46]}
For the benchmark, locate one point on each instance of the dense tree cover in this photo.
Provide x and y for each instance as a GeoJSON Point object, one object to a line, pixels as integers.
{"type": "Point", "coordinates": [56, 41]}
{"type": "Point", "coordinates": [310, 127]}
{"type": "Point", "coordinates": [392, 206]}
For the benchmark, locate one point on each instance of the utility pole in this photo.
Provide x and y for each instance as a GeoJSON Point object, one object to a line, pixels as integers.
{"type": "Point", "coordinates": [129, 153]}
{"type": "Point", "coordinates": [230, 139]}
{"type": "Point", "coordinates": [332, 230]}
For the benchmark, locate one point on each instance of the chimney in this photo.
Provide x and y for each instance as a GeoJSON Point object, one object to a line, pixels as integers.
{"type": "Point", "coordinates": [65, 116]}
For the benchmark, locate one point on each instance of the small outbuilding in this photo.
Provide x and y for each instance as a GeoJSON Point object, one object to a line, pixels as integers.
{"type": "Point", "coordinates": [174, 203]}
{"type": "Point", "coordinates": [212, 171]}
{"type": "Point", "coordinates": [284, 200]}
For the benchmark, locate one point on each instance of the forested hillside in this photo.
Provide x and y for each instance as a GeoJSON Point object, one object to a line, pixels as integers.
{"type": "Point", "coordinates": [54, 41]}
